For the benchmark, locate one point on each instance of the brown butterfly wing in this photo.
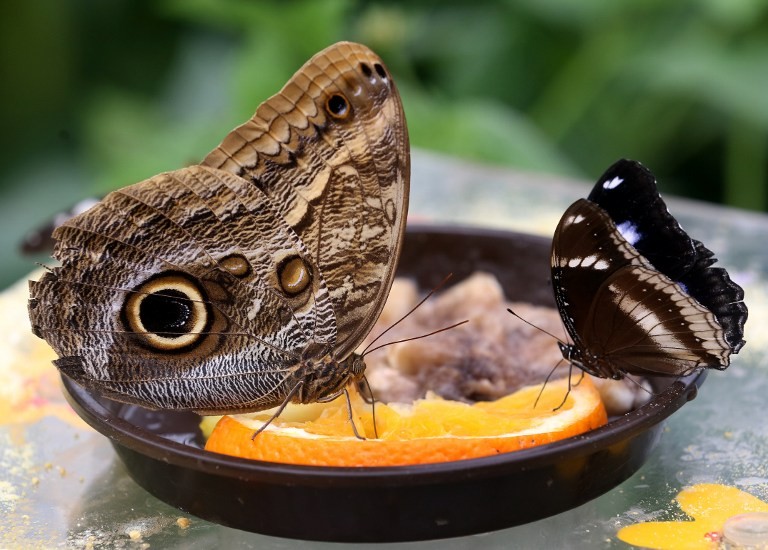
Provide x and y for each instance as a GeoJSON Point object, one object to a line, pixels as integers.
{"type": "Point", "coordinates": [331, 151]}
{"type": "Point", "coordinates": [215, 242]}
{"type": "Point", "coordinates": [586, 249]}
{"type": "Point", "coordinates": [622, 314]}
{"type": "Point", "coordinates": [641, 322]}
{"type": "Point", "coordinates": [223, 286]}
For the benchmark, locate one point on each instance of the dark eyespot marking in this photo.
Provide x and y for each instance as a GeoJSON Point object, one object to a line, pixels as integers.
{"type": "Point", "coordinates": [294, 275]}
{"type": "Point", "coordinates": [168, 312]}
{"type": "Point", "coordinates": [366, 70]}
{"type": "Point", "coordinates": [338, 106]}
{"type": "Point", "coordinates": [380, 70]}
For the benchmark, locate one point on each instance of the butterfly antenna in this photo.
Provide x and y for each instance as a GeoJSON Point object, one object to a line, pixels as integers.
{"type": "Point", "coordinates": [465, 321]}
{"type": "Point", "coordinates": [414, 308]}
{"type": "Point", "coordinates": [527, 322]}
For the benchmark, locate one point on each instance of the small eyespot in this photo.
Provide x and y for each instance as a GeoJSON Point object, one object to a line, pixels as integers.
{"type": "Point", "coordinates": [380, 70]}
{"type": "Point", "coordinates": [294, 275]}
{"type": "Point", "coordinates": [167, 312]}
{"type": "Point", "coordinates": [338, 106]}
{"type": "Point", "coordinates": [236, 265]}
{"type": "Point", "coordinates": [366, 70]}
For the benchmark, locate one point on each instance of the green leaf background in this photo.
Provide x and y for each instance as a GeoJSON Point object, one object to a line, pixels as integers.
{"type": "Point", "coordinates": [97, 95]}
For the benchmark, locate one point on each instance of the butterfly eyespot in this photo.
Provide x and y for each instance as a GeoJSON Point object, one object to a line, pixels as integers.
{"type": "Point", "coordinates": [338, 106]}
{"type": "Point", "coordinates": [236, 265]}
{"type": "Point", "coordinates": [168, 312]}
{"type": "Point", "coordinates": [380, 70]}
{"type": "Point", "coordinates": [294, 275]}
{"type": "Point", "coordinates": [366, 70]}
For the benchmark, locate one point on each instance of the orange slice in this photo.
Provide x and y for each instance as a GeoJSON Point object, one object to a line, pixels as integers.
{"type": "Point", "coordinates": [427, 431]}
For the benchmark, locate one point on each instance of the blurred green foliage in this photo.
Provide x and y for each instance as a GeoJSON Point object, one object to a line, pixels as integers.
{"type": "Point", "coordinates": [96, 95]}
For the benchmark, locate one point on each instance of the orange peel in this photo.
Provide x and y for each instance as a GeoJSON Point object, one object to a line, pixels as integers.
{"type": "Point", "coordinates": [429, 430]}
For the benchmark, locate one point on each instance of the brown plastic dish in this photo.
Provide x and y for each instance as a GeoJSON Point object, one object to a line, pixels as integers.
{"type": "Point", "coordinates": [163, 450]}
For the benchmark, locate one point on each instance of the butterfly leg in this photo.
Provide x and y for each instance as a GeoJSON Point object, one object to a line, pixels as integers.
{"type": "Point", "coordinates": [546, 381]}
{"type": "Point", "coordinates": [580, 379]}
{"type": "Point", "coordinates": [279, 410]}
{"type": "Point", "coordinates": [366, 392]}
{"type": "Point", "coordinates": [350, 412]}
{"type": "Point", "coordinates": [567, 393]}
{"type": "Point", "coordinates": [351, 415]}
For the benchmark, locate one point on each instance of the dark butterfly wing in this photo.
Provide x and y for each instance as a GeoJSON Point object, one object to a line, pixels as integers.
{"type": "Point", "coordinates": [713, 288]}
{"type": "Point", "coordinates": [586, 250]}
{"type": "Point", "coordinates": [627, 192]}
{"type": "Point", "coordinates": [623, 315]}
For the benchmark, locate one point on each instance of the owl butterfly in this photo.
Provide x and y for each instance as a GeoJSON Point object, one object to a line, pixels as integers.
{"type": "Point", "coordinates": [247, 280]}
{"type": "Point", "coordinates": [636, 294]}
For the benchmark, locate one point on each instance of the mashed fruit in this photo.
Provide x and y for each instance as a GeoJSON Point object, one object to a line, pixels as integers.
{"type": "Point", "coordinates": [493, 355]}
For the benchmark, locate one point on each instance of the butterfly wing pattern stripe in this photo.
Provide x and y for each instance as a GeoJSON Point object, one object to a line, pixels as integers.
{"type": "Point", "coordinates": [248, 279]}
{"type": "Point", "coordinates": [636, 294]}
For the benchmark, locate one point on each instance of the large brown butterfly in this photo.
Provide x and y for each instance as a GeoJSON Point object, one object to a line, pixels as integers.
{"type": "Point", "coordinates": [248, 280]}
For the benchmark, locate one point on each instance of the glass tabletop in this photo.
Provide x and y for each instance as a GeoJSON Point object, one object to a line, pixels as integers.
{"type": "Point", "coordinates": [61, 484]}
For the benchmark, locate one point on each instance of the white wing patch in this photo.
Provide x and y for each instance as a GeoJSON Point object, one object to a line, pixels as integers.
{"type": "Point", "coordinates": [595, 263]}
{"type": "Point", "coordinates": [613, 184]}
{"type": "Point", "coordinates": [591, 261]}
{"type": "Point", "coordinates": [573, 220]}
{"type": "Point", "coordinates": [629, 231]}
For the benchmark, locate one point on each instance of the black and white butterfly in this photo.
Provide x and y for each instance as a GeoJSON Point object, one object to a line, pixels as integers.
{"type": "Point", "coordinates": [636, 294]}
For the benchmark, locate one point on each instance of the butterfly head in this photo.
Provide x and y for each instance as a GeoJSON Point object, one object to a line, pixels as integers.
{"type": "Point", "coordinates": [324, 378]}
{"type": "Point", "coordinates": [588, 362]}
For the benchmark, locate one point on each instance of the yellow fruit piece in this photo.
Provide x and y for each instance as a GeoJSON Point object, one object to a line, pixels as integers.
{"type": "Point", "coordinates": [709, 504]}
